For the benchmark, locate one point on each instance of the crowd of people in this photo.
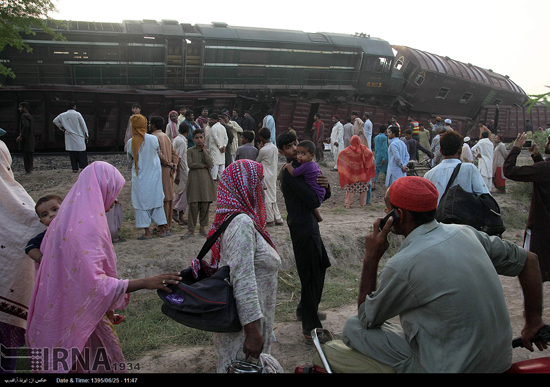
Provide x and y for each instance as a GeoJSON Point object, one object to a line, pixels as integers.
{"type": "Point", "coordinates": [181, 165]}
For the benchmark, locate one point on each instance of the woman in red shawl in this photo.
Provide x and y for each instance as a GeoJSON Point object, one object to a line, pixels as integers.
{"type": "Point", "coordinates": [356, 169]}
{"type": "Point", "coordinates": [247, 248]}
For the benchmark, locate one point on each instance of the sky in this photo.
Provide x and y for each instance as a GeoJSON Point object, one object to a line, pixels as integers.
{"type": "Point", "coordinates": [505, 36]}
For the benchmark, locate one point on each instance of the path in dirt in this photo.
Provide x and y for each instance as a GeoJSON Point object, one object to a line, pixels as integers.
{"type": "Point", "coordinates": [342, 230]}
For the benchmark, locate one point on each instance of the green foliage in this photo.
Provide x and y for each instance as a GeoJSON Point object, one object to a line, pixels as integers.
{"type": "Point", "coordinates": [19, 17]}
{"type": "Point", "coordinates": [536, 98]}
{"type": "Point", "coordinates": [540, 139]}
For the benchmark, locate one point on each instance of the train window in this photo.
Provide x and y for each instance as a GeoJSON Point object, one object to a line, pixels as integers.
{"type": "Point", "coordinates": [399, 63]}
{"type": "Point", "coordinates": [465, 97]}
{"type": "Point", "coordinates": [378, 64]}
{"type": "Point", "coordinates": [103, 53]}
{"type": "Point", "coordinates": [443, 92]}
{"type": "Point", "coordinates": [419, 80]}
{"type": "Point", "coordinates": [253, 57]}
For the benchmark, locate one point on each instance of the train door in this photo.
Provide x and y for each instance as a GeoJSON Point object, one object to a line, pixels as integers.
{"type": "Point", "coordinates": [174, 63]}
{"type": "Point", "coordinates": [193, 62]}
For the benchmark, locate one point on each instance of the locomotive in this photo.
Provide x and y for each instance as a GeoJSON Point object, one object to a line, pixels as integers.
{"type": "Point", "coordinates": [106, 67]}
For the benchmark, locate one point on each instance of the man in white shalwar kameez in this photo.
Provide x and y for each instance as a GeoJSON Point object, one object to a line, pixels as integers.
{"type": "Point", "coordinates": [172, 125]}
{"type": "Point", "coordinates": [217, 141]}
{"type": "Point", "coordinates": [76, 135]}
{"type": "Point", "coordinates": [398, 157]}
{"type": "Point", "coordinates": [336, 139]}
{"type": "Point", "coordinates": [268, 156]}
{"type": "Point", "coordinates": [180, 198]}
{"type": "Point", "coordinates": [147, 191]}
{"type": "Point", "coordinates": [483, 151]}
{"type": "Point", "coordinates": [466, 155]}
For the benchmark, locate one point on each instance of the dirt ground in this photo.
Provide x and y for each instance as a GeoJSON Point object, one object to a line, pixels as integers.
{"type": "Point", "coordinates": [342, 230]}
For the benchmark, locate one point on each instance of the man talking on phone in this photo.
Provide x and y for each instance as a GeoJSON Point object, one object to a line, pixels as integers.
{"type": "Point", "coordinates": [536, 232]}
{"type": "Point", "coordinates": [451, 305]}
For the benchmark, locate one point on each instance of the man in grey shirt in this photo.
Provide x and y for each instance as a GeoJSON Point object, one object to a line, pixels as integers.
{"type": "Point", "coordinates": [247, 150]}
{"type": "Point", "coordinates": [444, 285]}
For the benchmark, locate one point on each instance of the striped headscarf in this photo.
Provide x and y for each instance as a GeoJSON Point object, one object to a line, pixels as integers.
{"type": "Point", "coordinates": [240, 189]}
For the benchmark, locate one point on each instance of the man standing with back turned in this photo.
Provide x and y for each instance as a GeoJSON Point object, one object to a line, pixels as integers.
{"type": "Point", "coordinates": [76, 135]}
{"type": "Point", "coordinates": [434, 288]}
{"type": "Point", "coordinates": [26, 137]}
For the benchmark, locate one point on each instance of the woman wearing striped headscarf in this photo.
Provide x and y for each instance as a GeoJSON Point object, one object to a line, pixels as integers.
{"type": "Point", "coordinates": [250, 252]}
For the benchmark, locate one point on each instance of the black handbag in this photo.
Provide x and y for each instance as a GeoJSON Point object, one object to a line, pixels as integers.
{"type": "Point", "coordinates": [458, 206]}
{"type": "Point", "coordinates": [205, 303]}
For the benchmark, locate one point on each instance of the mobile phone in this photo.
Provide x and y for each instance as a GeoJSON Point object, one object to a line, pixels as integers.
{"type": "Point", "coordinates": [528, 144]}
{"type": "Point", "coordinates": [393, 213]}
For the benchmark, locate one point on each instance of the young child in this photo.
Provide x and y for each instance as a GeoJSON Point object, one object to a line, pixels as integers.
{"type": "Point", "coordinates": [200, 190]}
{"type": "Point", "coordinates": [309, 170]}
{"type": "Point", "coordinates": [46, 208]}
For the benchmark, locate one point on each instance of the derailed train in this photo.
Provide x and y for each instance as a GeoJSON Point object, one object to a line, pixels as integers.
{"type": "Point", "coordinates": [106, 67]}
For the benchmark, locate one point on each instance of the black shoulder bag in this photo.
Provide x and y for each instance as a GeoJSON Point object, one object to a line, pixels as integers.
{"type": "Point", "coordinates": [482, 212]}
{"type": "Point", "coordinates": [205, 303]}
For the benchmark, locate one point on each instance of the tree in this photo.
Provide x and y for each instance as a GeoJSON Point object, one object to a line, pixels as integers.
{"type": "Point", "coordinates": [18, 17]}
{"type": "Point", "coordinates": [536, 98]}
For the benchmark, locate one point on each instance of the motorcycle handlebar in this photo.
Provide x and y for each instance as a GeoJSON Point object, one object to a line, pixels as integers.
{"type": "Point", "coordinates": [542, 335]}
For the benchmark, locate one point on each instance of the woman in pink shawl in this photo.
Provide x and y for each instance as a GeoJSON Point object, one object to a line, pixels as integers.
{"type": "Point", "coordinates": [76, 283]}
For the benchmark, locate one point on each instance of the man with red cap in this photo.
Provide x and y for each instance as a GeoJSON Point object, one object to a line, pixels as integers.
{"type": "Point", "coordinates": [451, 305]}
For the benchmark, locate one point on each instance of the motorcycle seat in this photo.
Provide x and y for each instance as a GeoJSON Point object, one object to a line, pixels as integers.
{"type": "Point", "coordinates": [343, 359]}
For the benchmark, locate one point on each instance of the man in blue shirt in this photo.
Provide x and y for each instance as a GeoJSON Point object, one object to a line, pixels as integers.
{"type": "Point", "coordinates": [469, 177]}
{"type": "Point", "coordinates": [398, 157]}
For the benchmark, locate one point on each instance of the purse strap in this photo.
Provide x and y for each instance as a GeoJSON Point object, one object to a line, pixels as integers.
{"type": "Point", "coordinates": [212, 238]}
{"type": "Point", "coordinates": [453, 177]}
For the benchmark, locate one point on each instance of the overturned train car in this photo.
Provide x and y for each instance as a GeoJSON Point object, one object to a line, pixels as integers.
{"type": "Point", "coordinates": [105, 67]}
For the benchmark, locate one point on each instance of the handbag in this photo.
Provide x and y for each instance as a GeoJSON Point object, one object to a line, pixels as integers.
{"type": "Point", "coordinates": [458, 206]}
{"type": "Point", "coordinates": [206, 302]}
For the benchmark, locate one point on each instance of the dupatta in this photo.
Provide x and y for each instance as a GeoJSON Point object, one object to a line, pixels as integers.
{"type": "Point", "coordinates": [355, 163]}
{"type": "Point", "coordinates": [76, 283]}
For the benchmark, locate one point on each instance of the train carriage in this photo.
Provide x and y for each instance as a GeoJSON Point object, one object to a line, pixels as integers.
{"type": "Point", "coordinates": [105, 67]}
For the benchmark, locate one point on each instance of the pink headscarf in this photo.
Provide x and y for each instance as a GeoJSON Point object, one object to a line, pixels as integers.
{"type": "Point", "coordinates": [173, 125]}
{"type": "Point", "coordinates": [76, 283]}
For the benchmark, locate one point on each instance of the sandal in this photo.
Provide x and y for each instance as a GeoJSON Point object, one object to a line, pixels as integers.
{"type": "Point", "coordinates": [119, 240]}
{"type": "Point", "coordinates": [322, 339]}
{"type": "Point", "coordinates": [187, 235]}
{"type": "Point", "coordinates": [322, 316]}
{"type": "Point", "coordinates": [168, 233]}
{"type": "Point", "coordinates": [204, 233]}
{"type": "Point", "coordinates": [118, 319]}
{"type": "Point", "coordinates": [143, 238]}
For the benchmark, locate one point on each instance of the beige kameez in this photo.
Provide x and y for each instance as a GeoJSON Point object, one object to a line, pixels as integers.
{"type": "Point", "coordinates": [168, 159]}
